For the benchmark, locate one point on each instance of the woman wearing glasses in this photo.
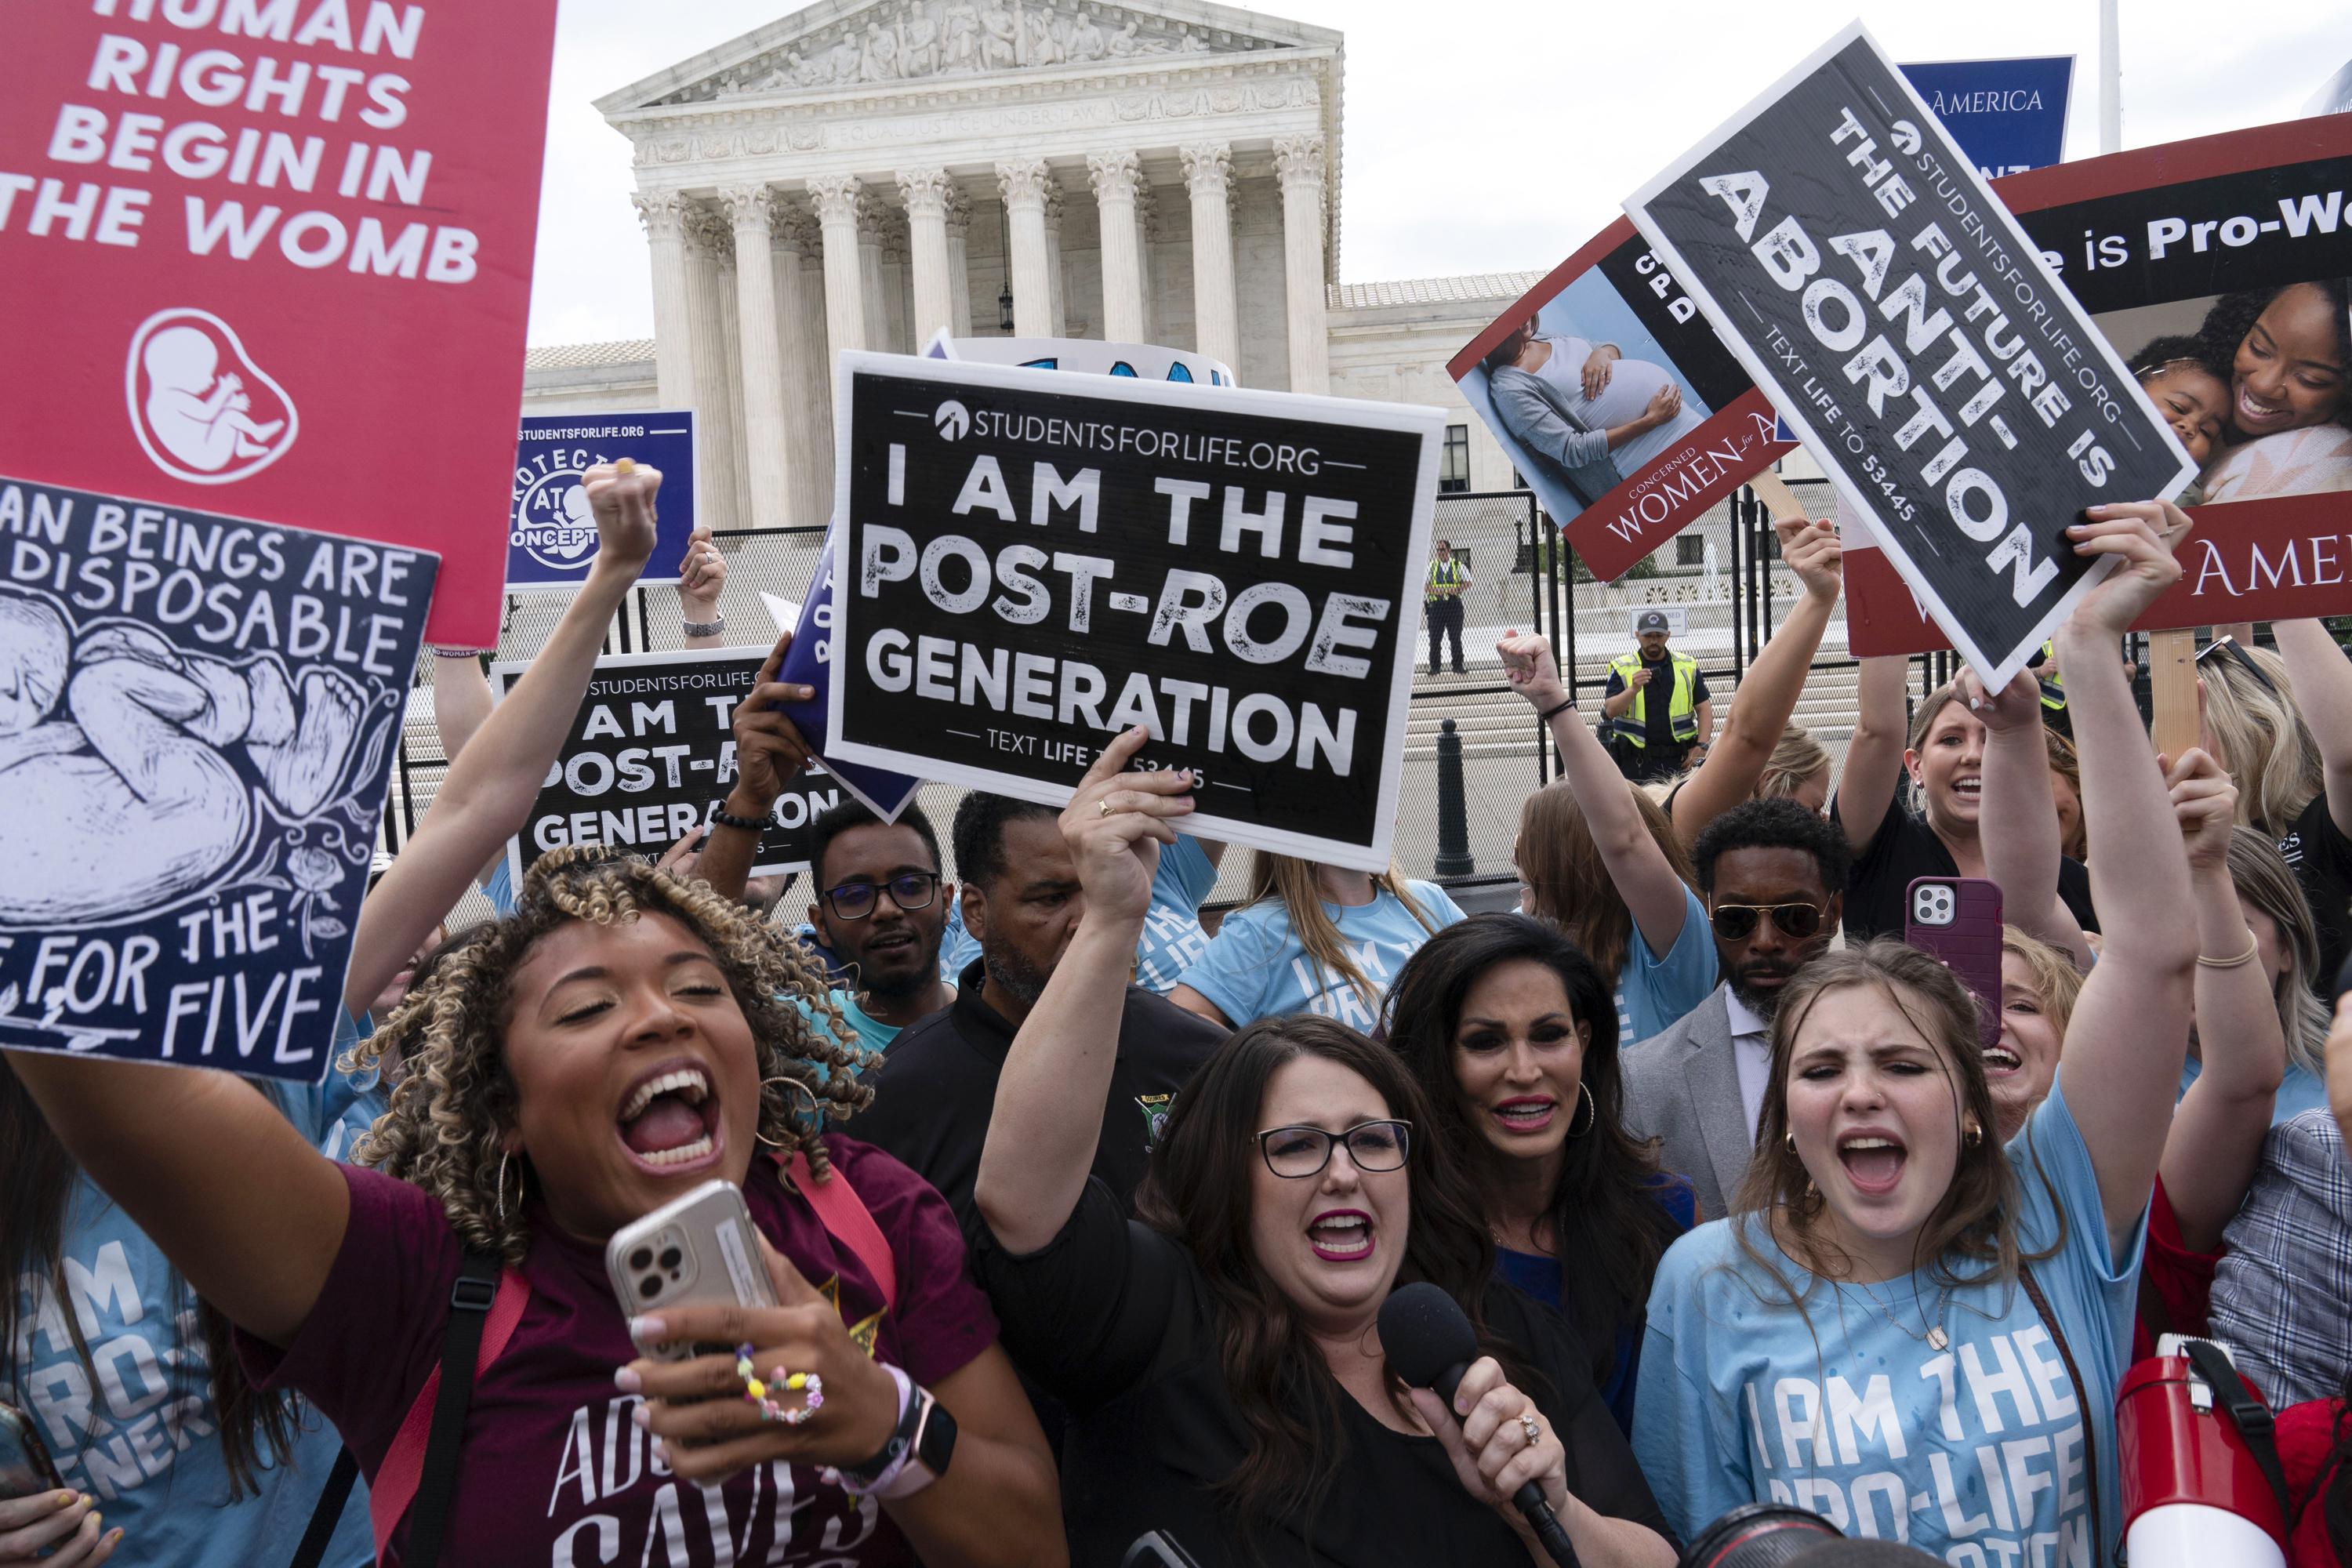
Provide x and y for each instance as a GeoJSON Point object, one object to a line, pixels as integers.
{"type": "Point", "coordinates": [1601, 859]}
{"type": "Point", "coordinates": [1511, 1034]}
{"type": "Point", "coordinates": [1220, 1353]}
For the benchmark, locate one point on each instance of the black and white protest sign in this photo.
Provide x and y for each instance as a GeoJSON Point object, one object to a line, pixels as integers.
{"type": "Point", "coordinates": [651, 754]}
{"type": "Point", "coordinates": [197, 718]}
{"type": "Point", "coordinates": [1029, 563]}
{"type": "Point", "coordinates": [1857, 262]}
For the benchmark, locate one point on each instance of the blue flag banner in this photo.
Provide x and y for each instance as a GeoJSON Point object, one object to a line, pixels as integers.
{"type": "Point", "coordinates": [550, 534]}
{"type": "Point", "coordinates": [2008, 116]}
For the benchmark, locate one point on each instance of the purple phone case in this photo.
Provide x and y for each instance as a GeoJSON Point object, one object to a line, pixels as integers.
{"type": "Point", "coordinates": [1969, 943]}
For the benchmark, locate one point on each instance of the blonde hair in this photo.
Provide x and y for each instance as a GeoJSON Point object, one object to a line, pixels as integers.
{"type": "Point", "coordinates": [2264, 881]}
{"type": "Point", "coordinates": [1795, 758]}
{"type": "Point", "coordinates": [449, 1114]}
{"type": "Point", "coordinates": [1570, 883]}
{"type": "Point", "coordinates": [2261, 740]}
{"type": "Point", "coordinates": [1300, 885]}
{"type": "Point", "coordinates": [2056, 979]}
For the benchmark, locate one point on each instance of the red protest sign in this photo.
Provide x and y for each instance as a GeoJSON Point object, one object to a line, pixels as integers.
{"type": "Point", "coordinates": [1616, 402]}
{"type": "Point", "coordinates": [2214, 267]}
{"type": "Point", "coordinates": [273, 257]}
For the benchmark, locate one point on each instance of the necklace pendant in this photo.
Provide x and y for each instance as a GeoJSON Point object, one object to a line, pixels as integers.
{"type": "Point", "coordinates": [1938, 1339]}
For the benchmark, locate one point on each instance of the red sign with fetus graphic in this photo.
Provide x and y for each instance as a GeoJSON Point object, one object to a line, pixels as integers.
{"type": "Point", "coordinates": [272, 259]}
{"type": "Point", "coordinates": [2216, 268]}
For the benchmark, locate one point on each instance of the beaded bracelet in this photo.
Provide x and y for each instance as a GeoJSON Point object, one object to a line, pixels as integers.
{"type": "Point", "coordinates": [758, 1393]}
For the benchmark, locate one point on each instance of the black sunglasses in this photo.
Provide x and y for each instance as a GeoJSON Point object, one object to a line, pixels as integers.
{"type": "Point", "coordinates": [2226, 644]}
{"type": "Point", "coordinates": [910, 890]}
{"type": "Point", "coordinates": [1737, 922]}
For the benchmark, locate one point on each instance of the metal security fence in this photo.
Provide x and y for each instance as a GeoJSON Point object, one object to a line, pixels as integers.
{"type": "Point", "coordinates": [1730, 589]}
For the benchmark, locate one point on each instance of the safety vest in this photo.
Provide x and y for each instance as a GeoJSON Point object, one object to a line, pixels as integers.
{"type": "Point", "coordinates": [1445, 574]}
{"type": "Point", "coordinates": [2053, 683]}
{"type": "Point", "coordinates": [1682, 713]}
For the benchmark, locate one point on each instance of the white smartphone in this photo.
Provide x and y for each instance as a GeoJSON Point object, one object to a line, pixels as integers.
{"type": "Point", "coordinates": [693, 1250]}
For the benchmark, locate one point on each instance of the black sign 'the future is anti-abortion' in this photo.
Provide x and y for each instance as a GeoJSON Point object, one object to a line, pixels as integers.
{"type": "Point", "coordinates": [1912, 333]}
{"type": "Point", "coordinates": [1030, 564]}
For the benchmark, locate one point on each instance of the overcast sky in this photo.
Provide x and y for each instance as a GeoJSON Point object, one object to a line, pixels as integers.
{"type": "Point", "coordinates": [1499, 137]}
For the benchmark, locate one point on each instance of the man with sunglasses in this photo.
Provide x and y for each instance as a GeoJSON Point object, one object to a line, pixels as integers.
{"type": "Point", "coordinates": [881, 909]}
{"type": "Point", "coordinates": [1773, 874]}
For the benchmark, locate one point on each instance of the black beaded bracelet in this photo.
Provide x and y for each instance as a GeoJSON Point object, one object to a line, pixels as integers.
{"type": "Point", "coordinates": [723, 817]}
{"type": "Point", "coordinates": [1565, 704]}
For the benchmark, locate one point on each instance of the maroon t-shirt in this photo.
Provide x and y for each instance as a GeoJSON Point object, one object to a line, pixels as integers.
{"type": "Point", "coordinates": [554, 1472]}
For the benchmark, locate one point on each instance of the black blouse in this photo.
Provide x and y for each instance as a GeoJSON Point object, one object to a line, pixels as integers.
{"type": "Point", "coordinates": [1116, 1319]}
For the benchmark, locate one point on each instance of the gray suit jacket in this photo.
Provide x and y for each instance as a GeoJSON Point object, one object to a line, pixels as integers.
{"type": "Point", "coordinates": [1683, 1087]}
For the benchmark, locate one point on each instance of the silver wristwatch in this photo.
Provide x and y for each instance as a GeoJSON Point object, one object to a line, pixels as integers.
{"type": "Point", "coordinates": [705, 628]}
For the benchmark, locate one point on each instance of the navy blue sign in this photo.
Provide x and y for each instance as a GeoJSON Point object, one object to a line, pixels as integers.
{"type": "Point", "coordinates": [809, 662]}
{"type": "Point", "coordinates": [197, 718]}
{"type": "Point", "coordinates": [550, 534]}
{"type": "Point", "coordinates": [2008, 116]}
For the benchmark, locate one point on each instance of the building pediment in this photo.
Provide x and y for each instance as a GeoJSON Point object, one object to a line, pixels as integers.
{"type": "Point", "coordinates": [877, 47]}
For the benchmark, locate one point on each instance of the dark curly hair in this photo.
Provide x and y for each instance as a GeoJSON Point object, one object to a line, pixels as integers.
{"type": "Point", "coordinates": [1780, 824]}
{"type": "Point", "coordinates": [449, 1113]}
{"type": "Point", "coordinates": [2233, 316]}
{"type": "Point", "coordinates": [2161, 353]}
{"type": "Point", "coordinates": [1608, 1229]}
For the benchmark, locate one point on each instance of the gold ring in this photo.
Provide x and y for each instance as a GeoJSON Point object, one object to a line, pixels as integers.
{"type": "Point", "coordinates": [1535, 1432]}
{"type": "Point", "coordinates": [1102, 807]}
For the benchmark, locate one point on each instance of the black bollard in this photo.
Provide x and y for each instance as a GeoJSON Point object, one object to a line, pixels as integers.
{"type": "Point", "coordinates": [1453, 806]}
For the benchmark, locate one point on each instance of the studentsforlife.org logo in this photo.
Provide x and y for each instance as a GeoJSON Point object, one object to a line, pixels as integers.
{"type": "Point", "coordinates": [952, 420]}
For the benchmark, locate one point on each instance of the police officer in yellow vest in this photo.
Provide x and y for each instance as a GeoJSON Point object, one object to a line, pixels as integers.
{"type": "Point", "coordinates": [1441, 595]}
{"type": "Point", "coordinates": [1657, 706]}
{"type": "Point", "coordinates": [2044, 665]}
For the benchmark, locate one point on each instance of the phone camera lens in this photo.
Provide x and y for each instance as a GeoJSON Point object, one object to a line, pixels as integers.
{"type": "Point", "coordinates": [671, 1258]}
{"type": "Point", "coordinates": [641, 1260]}
{"type": "Point", "coordinates": [649, 1287]}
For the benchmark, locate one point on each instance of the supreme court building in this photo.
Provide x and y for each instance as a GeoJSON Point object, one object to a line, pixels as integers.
{"type": "Point", "coordinates": [859, 174]}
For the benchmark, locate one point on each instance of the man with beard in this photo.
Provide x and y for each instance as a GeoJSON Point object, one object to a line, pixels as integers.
{"type": "Point", "coordinates": [1773, 874]}
{"type": "Point", "coordinates": [1021, 902]}
{"type": "Point", "coordinates": [881, 910]}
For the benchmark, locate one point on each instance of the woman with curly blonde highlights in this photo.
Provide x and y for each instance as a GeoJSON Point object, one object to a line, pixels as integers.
{"type": "Point", "coordinates": [623, 1039]}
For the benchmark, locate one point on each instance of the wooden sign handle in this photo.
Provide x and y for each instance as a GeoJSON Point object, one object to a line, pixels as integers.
{"type": "Point", "coordinates": [2172, 681]}
{"type": "Point", "coordinates": [1778, 498]}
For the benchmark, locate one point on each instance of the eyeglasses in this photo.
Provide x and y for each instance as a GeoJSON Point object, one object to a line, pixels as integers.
{"type": "Point", "coordinates": [1737, 922]}
{"type": "Point", "coordinates": [910, 890]}
{"type": "Point", "coordinates": [2227, 647]}
{"type": "Point", "coordinates": [1297, 1153]}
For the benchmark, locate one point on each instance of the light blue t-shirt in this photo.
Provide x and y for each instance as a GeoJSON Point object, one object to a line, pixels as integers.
{"type": "Point", "coordinates": [1654, 992]}
{"type": "Point", "coordinates": [1172, 938]}
{"type": "Point", "coordinates": [957, 947]}
{"type": "Point", "coordinates": [145, 1440]}
{"type": "Point", "coordinates": [1256, 968]}
{"type": "Point", "coordinates": [1974, 1453]}
{"type": "Point", "coordinates": [872, 1032]}
{"type": "Point", "coordinates": [501, 889]}
{"type": "Point", "coordinates": [2300, 1091]}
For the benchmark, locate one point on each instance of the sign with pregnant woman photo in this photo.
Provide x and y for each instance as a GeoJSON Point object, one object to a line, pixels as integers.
{"type": "Point", "coordinates": [197, 718]}
{"type": "Point", "coordinates": [1914, 336]}
{"type": "Point", "coordinates": [273, 257]}
{"type": "Point", "coordinates": [2215, 268]}
{"type": "Point", "coordinates": [1029, 563]}
{"type": "Point", "coordinates": [1616, 402]}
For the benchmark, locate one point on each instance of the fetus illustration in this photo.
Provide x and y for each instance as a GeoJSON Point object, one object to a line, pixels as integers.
{"type": "Point", "coordinates": [118, 761]}
{"type": "Point", "coordinates": [204, 411]}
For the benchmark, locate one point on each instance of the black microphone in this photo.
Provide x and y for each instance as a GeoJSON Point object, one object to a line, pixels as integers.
{"type": "Point", "coordinates": [1430, 1343]}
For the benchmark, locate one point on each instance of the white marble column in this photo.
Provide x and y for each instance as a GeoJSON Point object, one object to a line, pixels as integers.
{"type": "Point", "coordinates": [1148, 236]}
{"type": "Point", "coordinates": [664, 213]}
{"type": "Point", "coordinates": [1299, 161]}
{"type": "Point", "coordinates": [739, 459]}
{"type": "Point", "coordinates": [837, 201]}
{"type": "Point", "coordinates": [1114, 176]}
{"type": "Point", "coordinates": [714, 386]}
{"type": "Point", "coordinates": [874, 290]}
{"type": "Point", "coordinates": [925, 195]}
{"type": "Point", "coordinates": [1023, 184]}
{"type": "Point", "coordinates": [766, 448]}
{"type": "Point", "coordinates": [800, 352]}
{"type": "Point", "coordinates": [895, 248]}
{"type": "Point", "coordinates": [959, 232]}
{"type": "Point", "coordinates": [1058, 310]}
{"type": "Point", "coordinates": [1208, 175]}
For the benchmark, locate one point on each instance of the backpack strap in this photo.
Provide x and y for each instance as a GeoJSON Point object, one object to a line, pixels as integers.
{"type": "Point", "coordinates": [2249, 1414]}
{"type": "Point", "coordinates": [312, 1548]}
{"type": "Point", "coordinates": [2090, 1414]}
{"type": "Point", "coordinates": [846, 1219]}
{"type": "Point", "coordinates": [420, 1464]}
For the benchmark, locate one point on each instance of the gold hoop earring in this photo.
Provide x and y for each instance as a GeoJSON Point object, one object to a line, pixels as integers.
{"type": "Point", "coordinates": [1789, 1141]}
{"type": "Point", "coordinates": [501, 1186]}
{"type": "Point", "coordinates": [1591, 1112]}
{"type": "Point", "coordinates": [1972, 1135]}
{"type": "Point", "coordinates": [790, 1082]}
